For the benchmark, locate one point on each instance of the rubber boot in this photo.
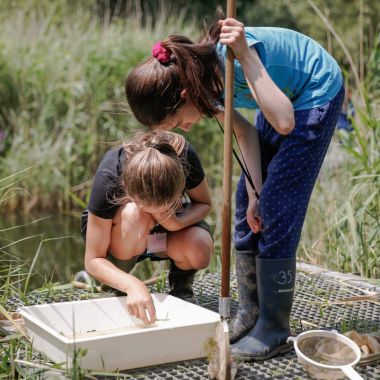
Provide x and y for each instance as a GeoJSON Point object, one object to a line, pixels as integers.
{"type": "Point", "coordinates": [248, 310]}
{"type": "Point", "coordinates": [275, 286]}
{"type": "Point", "coordinates": [181, 283]}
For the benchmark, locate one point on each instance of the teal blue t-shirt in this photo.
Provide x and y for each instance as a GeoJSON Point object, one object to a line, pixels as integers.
{"type": "Point", "coordinates": [299, 66]}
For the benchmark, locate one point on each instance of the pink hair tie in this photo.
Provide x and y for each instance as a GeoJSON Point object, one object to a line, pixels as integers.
{"type": "Point", "coordinates": [162, 54]}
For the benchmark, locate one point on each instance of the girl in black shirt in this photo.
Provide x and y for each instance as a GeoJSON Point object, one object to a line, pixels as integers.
{"type": "Point", "coordinates": [137, 192]}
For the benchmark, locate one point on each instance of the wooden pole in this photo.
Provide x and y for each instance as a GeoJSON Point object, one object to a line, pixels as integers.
{"type": "Point", "coordinates": [223, 359]}
{"type": "Point", "coordinates": [227, 164]}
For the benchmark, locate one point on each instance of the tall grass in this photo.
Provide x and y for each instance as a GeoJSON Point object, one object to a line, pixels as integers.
{"type": "Point", "coordinates": [343, 224]}
{"type": "Point", "coordinates": [66, 71]}
{"type": "Point", "coordinates": [62, 73]}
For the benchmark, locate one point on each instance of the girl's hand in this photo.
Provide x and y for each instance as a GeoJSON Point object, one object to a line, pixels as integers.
{"type": "Point", "coordinates": [167, 220]}
{"type": "Point", "coordinates": [232, 34]}
{"type": "Point", "coordinates": [253, 218]}
{"type": "Point", "coordinates": [139, 302]}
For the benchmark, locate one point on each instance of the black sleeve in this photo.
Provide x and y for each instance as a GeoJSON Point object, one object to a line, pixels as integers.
{"type": "Point", "coordinates": [106, 188]}
{"type": "Point", "coordinates": [194, 169]}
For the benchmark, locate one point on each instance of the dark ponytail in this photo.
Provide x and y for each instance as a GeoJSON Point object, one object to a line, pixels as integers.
{"type": "Point", "coordinates": [154, 88]}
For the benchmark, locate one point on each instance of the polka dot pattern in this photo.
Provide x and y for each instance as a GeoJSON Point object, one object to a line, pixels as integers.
{"type": "Point", "coordinates": [290, 166]}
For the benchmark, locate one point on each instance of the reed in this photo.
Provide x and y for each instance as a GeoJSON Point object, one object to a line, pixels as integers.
{"type": "Point", "coordinates": [62, 73]}
{"type": "Point", "coordinates": [66, 70]}
{"type": "Point", "coordinates": [342, 230]}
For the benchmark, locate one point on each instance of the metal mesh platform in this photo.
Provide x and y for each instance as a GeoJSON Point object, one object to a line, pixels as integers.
{"type": "Point", "coordinates": [319, 303]}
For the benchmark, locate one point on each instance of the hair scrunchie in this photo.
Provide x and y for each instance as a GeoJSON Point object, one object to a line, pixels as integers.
{"type": "Point", "coordinates": [161, 53]}
{"type": "Point", "coordinates": [164, 148]}
{"type": "Point", "coordinates": [154, 146]}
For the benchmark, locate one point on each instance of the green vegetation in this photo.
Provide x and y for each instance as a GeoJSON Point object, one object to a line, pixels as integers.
{"type": "Point", "coordinates": [62, 71]}
{"type": "Point", "coordinates": [345, 209]}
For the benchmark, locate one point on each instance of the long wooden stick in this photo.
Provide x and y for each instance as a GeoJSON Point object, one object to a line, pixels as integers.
{"type": "Point", "coordinates": [227, 164]}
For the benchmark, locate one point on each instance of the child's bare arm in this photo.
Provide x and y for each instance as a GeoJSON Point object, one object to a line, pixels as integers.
{"type": "Point", "coordinates": [275, 105]}
{"type": "Point", "coordinates": [197, 210]}
{"type": "Point", "coordinates": [248, 140]}
{"type": "Point", "coordinates": [97, 243]}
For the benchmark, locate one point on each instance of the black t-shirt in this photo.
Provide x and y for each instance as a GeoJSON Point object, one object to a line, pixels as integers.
{"type": "Point", "coordinates": [107, 187]}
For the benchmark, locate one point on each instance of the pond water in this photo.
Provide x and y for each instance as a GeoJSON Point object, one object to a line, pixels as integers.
{"type": "Point", "coordinates": [62, 250]}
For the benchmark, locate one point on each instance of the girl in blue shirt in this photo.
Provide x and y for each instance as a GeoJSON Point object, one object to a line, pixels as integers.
{"type": "Point", "coordinates": [297, 88]}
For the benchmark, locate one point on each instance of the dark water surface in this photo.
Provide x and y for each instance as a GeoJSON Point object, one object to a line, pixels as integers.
{"type": "Point", "coordinates": [58, 259]}
{"type": "Point", "coordinates": [62, 251]}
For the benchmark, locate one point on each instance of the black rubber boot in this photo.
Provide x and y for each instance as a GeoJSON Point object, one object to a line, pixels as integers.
{"type": "Point", "coordinates": [275, 286]}
{"type": "Point", "coordinates": [181, 283]}
{"type": "Point", "coordinates": [248, 310]}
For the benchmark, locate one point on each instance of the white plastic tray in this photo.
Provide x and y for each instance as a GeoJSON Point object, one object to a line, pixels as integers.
{"type": "Point", "coordinates": [104, 328]}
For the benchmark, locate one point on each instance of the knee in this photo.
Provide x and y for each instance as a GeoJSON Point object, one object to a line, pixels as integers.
{"type": "Point", "coordinates": [274, 204]}
{"type": "Point", "coordinates": [200, 252]}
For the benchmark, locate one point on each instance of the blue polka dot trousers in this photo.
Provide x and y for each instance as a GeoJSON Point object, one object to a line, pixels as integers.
{"type": "Point", "coordinates": [290, 166]}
